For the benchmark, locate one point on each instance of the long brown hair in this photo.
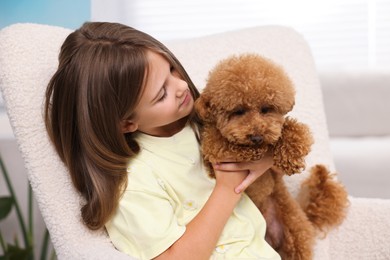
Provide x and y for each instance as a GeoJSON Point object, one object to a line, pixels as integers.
{"type": "Point", "coordinates": [99, 80]}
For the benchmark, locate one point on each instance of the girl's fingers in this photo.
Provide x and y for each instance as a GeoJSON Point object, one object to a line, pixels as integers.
{"type": "Point", "coordinates": [254, 169]}
{"type": "Point", "coordinates": [231, 166]}
{"type": "Point", "coordinates": [262, 164]}
{"type": "Point", "coordinates": [250, 178]}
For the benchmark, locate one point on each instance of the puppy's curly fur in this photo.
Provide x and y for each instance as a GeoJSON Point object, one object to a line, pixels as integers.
{"type": "Point", "coordinates": [243, 108]}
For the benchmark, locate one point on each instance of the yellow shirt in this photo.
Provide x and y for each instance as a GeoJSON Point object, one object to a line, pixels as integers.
{"type": "Point", "coordinates": [167, 187]}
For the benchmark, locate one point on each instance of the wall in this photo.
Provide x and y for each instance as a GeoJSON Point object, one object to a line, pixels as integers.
{"type": "Point", "coordinates": [66, 13]}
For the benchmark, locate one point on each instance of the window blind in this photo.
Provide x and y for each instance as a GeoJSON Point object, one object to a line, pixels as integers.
{"type": "Point", "coordinates": [343, 33]}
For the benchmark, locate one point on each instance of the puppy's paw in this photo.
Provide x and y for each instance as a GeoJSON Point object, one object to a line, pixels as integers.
{"type": "Point", "coordinates": [292, 147]}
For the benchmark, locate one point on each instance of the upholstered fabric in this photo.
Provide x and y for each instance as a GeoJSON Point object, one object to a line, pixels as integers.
{"type": "Point", "coordinates": [28, 58]}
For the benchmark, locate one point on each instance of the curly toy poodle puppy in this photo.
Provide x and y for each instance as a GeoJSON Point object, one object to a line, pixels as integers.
{"type": "Point", "coordinates": [243, 109]}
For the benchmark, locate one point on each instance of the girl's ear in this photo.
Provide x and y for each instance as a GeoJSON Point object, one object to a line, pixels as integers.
{"type": "Point", "coordinates": [128, 126]}
{"type": "Point", "coordinates": [203, 108]}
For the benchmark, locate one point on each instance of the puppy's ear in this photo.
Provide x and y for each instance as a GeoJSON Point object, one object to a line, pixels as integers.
{"type": "Point", "coordinates": [289, 106]}
{"type": "Point", "coordinates": [203, 108]}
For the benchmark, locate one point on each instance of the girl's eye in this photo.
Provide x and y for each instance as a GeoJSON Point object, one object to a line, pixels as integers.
{"type": "Point", "coordinates": [164, 94]}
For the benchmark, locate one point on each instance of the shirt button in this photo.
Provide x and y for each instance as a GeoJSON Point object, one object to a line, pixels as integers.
{"type": "Point", "coordinates": [190, 205]}
{"type": "Point", "coordinates": [192, 161]}
{"type": "Point", "coordinates": [221, 249]}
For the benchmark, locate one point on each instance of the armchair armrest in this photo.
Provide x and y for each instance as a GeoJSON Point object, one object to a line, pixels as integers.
{"type": "Point", "coordinates": [365, 233]}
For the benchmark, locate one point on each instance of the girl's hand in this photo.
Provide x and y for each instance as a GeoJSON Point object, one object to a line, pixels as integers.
{"type": "Point", "coordinates": [252, 169]}
{"type": "Point", "coordinates": [229, 179]}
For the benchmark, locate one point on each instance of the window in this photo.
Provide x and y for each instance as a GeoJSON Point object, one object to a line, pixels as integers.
{"type": "Point", "coordinates": [344, 33]}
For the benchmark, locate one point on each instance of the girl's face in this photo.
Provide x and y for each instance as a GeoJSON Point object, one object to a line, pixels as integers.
{"type": "Point", "coordinates": [165, 103]}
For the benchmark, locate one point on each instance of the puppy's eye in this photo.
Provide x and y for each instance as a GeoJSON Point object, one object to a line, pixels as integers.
{"type": "Point", "coordinates": [238, 112]}
{"type": "Point", "coordinates": [265, 109]}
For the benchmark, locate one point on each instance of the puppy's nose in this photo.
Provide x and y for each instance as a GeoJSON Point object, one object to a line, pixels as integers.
{"type": "Point", "coordinates": [257, 139]}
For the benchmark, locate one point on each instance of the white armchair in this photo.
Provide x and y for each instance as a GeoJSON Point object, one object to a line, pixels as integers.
{"type": "Point", "coordinates": [28, 58]}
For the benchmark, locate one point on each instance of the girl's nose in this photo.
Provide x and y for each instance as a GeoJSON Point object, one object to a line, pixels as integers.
{"type": "Point", "coordinates": [182, 87]}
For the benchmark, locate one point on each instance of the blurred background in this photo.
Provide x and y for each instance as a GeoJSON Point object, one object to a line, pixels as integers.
{"type": "Point", "coordinates": [350, 43]}
{"type": "Point", "coordinates": [342, 33]}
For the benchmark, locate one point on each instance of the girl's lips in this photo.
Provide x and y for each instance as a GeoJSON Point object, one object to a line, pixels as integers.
{"type": "Point", "coordinates": [186, 99]}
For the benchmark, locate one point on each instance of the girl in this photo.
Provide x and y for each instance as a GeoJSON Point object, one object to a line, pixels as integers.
{"type": "Point", "coordinates": [119, 111]}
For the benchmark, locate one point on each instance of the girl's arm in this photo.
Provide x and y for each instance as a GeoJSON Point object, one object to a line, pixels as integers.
{"type": "Point", "coordinates": [203, 232]}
